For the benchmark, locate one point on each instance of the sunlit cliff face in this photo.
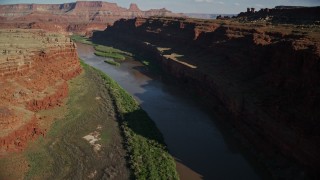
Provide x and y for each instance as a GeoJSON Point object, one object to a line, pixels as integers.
{"type": "Point", "coordinates": [34, 68]}
{"type": "Point", "coordinates": [80, 17]}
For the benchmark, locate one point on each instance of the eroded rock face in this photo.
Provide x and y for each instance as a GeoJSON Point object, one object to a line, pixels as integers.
{"type": "Point", "coordinates": [266, 76]}
{"type": "Point", "coordinates": [34, 68]}
{"type": "Point", "coordinates": [79, 17]}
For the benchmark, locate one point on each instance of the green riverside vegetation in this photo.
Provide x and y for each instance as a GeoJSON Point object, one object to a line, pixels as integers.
{"type": "Point", "coordinates": [63, 153]}
{"type": "Point", "coordinates": [112, 62]}
{"type": "Point", "coordinates": [82, 39]}
{"type": "Point", "coordinates": [110, 55]}
{"type": "Point", "coordinates": [108, 49]}
{"type": "Point", "coordinates": [104, 51]}
{"type": "Point", "coordinates": [147, 153]}
{"type": "Point", "coordinates": [94, 104]}
{"type": "Point", "coordinates": [116, 54]}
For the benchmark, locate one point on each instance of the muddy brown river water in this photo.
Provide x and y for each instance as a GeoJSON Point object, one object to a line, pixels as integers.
{"type": "Point", "coordinates": [200, 148]}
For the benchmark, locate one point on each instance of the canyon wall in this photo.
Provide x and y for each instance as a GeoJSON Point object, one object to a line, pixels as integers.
{"type": "Point", "coordinates": [266, 76]}
{"type": "Point", "coordinates": [34, 68]}
{"type": "Point", "coordinates": [79, 17]}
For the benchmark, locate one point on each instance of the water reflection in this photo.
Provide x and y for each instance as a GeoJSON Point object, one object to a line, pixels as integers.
{"type": "Point", "coordinates": [200, 149]}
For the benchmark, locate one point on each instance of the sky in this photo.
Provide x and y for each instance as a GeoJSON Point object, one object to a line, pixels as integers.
{"type": "Point", "coordinates": [191, 6]}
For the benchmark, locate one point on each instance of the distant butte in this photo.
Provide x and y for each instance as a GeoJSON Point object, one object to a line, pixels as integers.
{"type": "Point", "coordinates": [134, 7]}
{"type": "Point", "coordinates": [79, 17]}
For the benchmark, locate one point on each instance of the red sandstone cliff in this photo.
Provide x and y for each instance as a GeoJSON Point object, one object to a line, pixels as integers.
{"type": "Point", "coordinates": [34, 68]}
{"type": "Point", "coordinates": [82, 16]}
{"type": "Point", "coordinates": [266, 76]}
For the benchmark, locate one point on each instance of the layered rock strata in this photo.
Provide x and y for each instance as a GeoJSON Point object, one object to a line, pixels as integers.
{"type": "Point", "coordinates": [34, 68]}
{"type": "Point", "coordinates": [266, 76]}
{"type": "Point", "coordinates": [79, 17]}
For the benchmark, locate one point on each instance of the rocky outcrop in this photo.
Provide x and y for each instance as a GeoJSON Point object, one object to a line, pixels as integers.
{"type": "Point", "coordinates": [267, 78]}
{"type": "Point", "coordinates": [49, 101]}
{"type": "Point", "coordinates": [283, 14]}
{"type": "Point", "coordinates": [83, 16]}
{"type": "Point", "coordinates": [134, 8]}
{"type": "Point", "coordinates": [17, 140]}
{"type": "Point", "coordinates": [34, 68]}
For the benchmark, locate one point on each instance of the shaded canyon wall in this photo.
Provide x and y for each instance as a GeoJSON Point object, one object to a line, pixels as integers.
{"type": "Point", "coordinates": [266, 77]}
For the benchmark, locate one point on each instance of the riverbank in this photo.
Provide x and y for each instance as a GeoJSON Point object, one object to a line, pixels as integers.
{"type": "Point", "coordinates": [189, 131]}
{"type": "Point", "coordinates": [147, 153]}
{"type": "Point", "coordinates": [86, 142]}
{"type": "Point", "coordinates": [236, 67]}
{"type": "Point", "coordinates": [103, 51]}
{"type": "Point", "coordinates": [82, 141]}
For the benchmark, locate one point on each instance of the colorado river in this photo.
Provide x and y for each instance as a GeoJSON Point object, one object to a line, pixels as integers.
{"type": "Point", "coordinates": [193, 139]}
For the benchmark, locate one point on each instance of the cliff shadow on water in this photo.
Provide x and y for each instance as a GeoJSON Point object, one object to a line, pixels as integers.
{"type": "Point", "coordinates": [202, 141]}
{"type": "Point", "coordinates": [253, 70]}
{"type": "Point", "coordinates": [189, 131]}
{"type": "Point", "coordinates": [147, 154]}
